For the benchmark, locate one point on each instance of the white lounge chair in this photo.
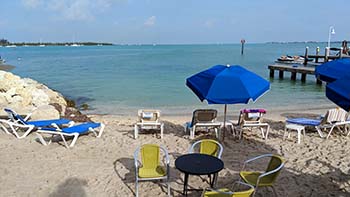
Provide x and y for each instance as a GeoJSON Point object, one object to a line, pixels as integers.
{"type": "Point", "coordinates": [250, 118]}
{"type": "Point", "coordinates": [148, 119]}
{"type": "Point", "coordinates": [74, 131]}
{"type": "Point", "coordinates": [334, 118]}
{"type": "Point", "coordinates": [15, 123]}
{"type": "Point", "coordinates": [203, 118]}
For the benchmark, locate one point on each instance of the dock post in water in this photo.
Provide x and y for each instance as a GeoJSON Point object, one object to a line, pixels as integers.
{"type": "Point", "coordinates": [242, 47]}
{"type": "Point", "coordinates": [281, 74]}
{"type": "Point", "coordinates": [293, 76]}
{"type": "Point", "coordinates": [306, 55]}
{"type": "Point", "coordinates": [303, 77]}
{"type": "Point", "coordinates": [341, 52]}
{"type": "Point", "coordinates": [317, 53]}
{"type": "Point", "coordinates": [272, 73]}
{"type": "Point", "coordinates": [326, 54]}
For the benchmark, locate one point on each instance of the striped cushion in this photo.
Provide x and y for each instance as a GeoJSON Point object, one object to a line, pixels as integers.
{"type": "Point", "coordinates": [305, 121]}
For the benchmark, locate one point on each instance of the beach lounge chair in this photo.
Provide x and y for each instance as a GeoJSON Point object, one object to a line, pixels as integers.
{"type": "Point", "coordinates": [148, 119]}
{"type": "Point", "coordinates": [334, 118]}
{"type": "Point", "coordinates": [263, 179]}
{"type": "Point", "coordinates": [203, 118]}
{"type": "Point", "coordinates": [209, 147]}
{"type": "Point", "coordinates": [15, 122]}
{"type": "Point", "coordinates": [74, 131]}
{"type": "Point", "coordinates": [225, 192]}
{"type": "Point", "coordinates": [149, 168]}
{"type": "Point", "coordinates": [250, 118]}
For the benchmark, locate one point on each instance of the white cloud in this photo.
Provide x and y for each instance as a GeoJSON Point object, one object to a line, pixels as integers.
{"type": "Point", "coordinates": [31, 3]}
{"type": "Point", "coordinates": [151, 21]}
{"type": "Point", "coordinates": [81, 10]}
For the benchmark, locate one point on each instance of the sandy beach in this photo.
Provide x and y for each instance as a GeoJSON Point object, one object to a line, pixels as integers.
{"type": "Point", "coordinates": [105, 166]}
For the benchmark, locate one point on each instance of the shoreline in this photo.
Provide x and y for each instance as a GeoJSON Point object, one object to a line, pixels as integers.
{"type": "Point", "coordinates": [276, 114]}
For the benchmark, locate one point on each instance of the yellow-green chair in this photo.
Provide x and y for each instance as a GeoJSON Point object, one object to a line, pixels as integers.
{"type": "Point", "coordinates": [263, 179]}
{"type": "Point", "coordinates": [208, 147]}
{"type": "Point", "coordinates": [150, 167]}
{"type": "Point", "coordinates": [246, 192]}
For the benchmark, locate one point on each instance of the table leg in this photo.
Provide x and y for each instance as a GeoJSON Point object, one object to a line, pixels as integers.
{"type": "Point", "coordinates": [213, 180]}
{"type": "Point", "coordinates": [185, 184]}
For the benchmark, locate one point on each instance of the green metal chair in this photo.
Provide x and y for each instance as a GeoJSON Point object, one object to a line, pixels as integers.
{"type": "Point", "coordinates": [224, 192]}
{"type": "Point", "coordinates": [149, 168]}
{"type": "Point", "coordinates": [263, 179]}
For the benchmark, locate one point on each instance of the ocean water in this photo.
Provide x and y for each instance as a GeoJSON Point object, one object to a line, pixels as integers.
{"type": "Point", "coordinates": [121, 79]}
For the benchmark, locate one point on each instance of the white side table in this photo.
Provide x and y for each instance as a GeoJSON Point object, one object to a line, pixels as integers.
{"type": "Point", "coordinates": [290, 127]}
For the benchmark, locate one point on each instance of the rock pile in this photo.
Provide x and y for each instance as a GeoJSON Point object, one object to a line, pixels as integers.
{"type": "Point", "coordinates": [26, 95]}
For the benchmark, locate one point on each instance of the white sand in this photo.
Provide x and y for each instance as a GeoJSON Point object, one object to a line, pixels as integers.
{"type": "Point", "coordinates": [104, 167]}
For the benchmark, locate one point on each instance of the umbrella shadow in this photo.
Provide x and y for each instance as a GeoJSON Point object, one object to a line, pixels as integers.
{"type": "Point", "coordinates": [71, 187]}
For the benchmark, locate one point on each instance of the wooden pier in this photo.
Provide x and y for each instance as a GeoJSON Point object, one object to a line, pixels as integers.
{"type": "Point", "coordinates": [303, 70]}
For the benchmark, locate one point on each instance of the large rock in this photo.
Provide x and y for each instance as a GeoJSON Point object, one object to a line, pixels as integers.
{"type": "Point", "coordinates": [45, 112]}
{"type": "Point", "coordinates": [25, 95]}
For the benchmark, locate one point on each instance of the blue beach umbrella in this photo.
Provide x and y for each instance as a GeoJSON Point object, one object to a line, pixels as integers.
{"type": "Point", "coordinates": [333, 70]}
{"type": "Point", "coordinates": [227, 85]}
{"type": "Point", "coordinates": [339, 92]}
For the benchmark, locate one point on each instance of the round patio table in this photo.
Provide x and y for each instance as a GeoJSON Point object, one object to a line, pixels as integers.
{"type": "Point", "coordinates": [198, 164]}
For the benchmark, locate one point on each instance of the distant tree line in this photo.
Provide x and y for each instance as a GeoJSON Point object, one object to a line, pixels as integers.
{"type": "Point", "coordinates": [4, 42]}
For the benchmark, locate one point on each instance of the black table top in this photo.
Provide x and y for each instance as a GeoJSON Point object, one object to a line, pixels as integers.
{"type": "Point", "coordinates": [199, 164]}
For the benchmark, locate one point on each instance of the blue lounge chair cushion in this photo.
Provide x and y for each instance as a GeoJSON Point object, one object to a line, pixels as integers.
{"type": "Point", "coordinates": [82, 128]}
{"type": "Point", "coordinates": [43, 123]}
{"type": "Point", "coordinates": [305, 121]}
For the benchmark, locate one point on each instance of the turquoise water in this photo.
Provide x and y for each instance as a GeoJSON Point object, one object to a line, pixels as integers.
{"type": "Point", "coordinates": [122, 79]}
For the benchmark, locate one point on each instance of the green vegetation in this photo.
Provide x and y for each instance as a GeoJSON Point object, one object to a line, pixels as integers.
{"type": "Point", "coordinates": [4, 42]}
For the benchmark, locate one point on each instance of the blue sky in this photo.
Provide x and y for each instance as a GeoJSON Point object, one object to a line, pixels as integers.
{"type": "Point", "coordinates": [173, 21]}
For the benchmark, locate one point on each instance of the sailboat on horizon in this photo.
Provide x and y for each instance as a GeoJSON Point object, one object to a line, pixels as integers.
{"type": "Point", "coordinates": [40, 43]}
{"type": "Point", "coordinates": [74, 43]}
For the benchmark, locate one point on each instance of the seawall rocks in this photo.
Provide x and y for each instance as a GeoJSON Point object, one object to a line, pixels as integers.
{"type": "Point", "coordinates": [26, 95]}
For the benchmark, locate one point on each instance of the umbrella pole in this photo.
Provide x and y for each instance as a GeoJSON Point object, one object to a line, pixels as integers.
{"type": "Point", "coordinates": [223, 135]}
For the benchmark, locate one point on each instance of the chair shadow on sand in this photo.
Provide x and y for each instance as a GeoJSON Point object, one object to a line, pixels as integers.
{"type": "Point", "coordinates": [71, 187]}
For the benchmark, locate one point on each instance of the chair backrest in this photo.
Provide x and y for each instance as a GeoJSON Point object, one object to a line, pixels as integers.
{"type": "Point", "coordinates": [276, 163]}
{"type": "Point", "coordinates": [14, 116]}
{"type": "Point", "coordinates": [251, 116]}
{"type": "Point", "coordinates": [204, 115]}
{"type": "Point", "coordinates": [148, 115]}
{"type": "Point", "coordinates": [208, 147]}
{"type": "Point", "coordinates": [335, 115]}
{"type": "Point", "coordinates": [150, 156]}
